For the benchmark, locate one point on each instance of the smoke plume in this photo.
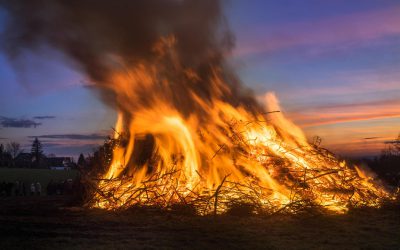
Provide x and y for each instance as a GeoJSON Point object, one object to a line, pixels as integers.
{"type": "Point", "coordinates": [102, 37]}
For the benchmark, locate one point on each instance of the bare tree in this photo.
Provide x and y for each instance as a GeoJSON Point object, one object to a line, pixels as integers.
{"type": "Point", "coordinates": [14, 149]}
{"type": "Point", "coordinates": [393, 148]}
{"type": "Point", "coordinates": [397, 144]}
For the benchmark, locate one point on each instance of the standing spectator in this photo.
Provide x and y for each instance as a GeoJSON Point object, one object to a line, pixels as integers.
{"type": "Point", "coordinates": [67, 186]}
{"type": "Point", "coordinates": [23, 189]}
{"type": "Point", "coordinates": [9, 188]}
{"type": "Point", "coordinates": [2, 188]}
{"type": "Point", "coordinates": [49, 188]}
{"type": "Point", "coordinates": [16, 190]}
{"type": "Point", "coordinates": [33, 189]}
{"type": "Point", "coordinates": [60, 187]}
{"type": "Point", "coordinates": [38, 188]}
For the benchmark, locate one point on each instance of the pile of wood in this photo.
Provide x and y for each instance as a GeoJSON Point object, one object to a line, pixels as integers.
{"type": "Point", "coordinates": [309, 188]}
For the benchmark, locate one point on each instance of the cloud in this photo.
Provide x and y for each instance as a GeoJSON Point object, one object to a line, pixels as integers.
{"type": "Point", "coordinates": [372, 138]}
{"type": "Point", "coordinates": [7, 122]}
{"type": "Point", "coordinates": [70, 150]}
{"type": "Point", "coordinates": [43, 117]}
{"type": "Point", "coordinates": [318, 115]}
{"type": "Point", "coordinates": [94, 136]}
{"type": "Point", "coordinates": [356, 148]}
{"type": "Point", "coordinates": [347, 87]}
{"type": "Point", "coordinates": [341, 32]}
{"type": "Point", "coordinates": [316, 119]}
{"type": "Point", "coordinates": [386, 103]}
{"type": "Point", "coordinates": [392, 142]}
{"type": "Point", "coordinates": [351, 127]}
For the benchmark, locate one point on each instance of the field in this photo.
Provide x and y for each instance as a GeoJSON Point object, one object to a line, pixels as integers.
{"type": "Point", "coordinates": [45, 223]}
{"type": "Point", "coordinates": [51, 222]}
{"type": "Point", "coordinates": [36, 175]}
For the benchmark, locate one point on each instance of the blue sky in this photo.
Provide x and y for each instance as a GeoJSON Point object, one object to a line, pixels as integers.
{"type": "Point", "coordinates": [334, 65]}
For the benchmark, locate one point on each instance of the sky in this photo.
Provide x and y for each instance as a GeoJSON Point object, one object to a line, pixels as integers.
{"type": "Point", "coordinates": [333, 64]}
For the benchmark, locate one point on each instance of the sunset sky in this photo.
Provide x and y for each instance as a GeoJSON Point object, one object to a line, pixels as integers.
{"type": "Point", "coordinates": [334, 65]}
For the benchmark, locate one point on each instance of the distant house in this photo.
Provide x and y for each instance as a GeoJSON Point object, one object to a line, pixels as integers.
{"type": "Point", "coordinates": [60, 163]}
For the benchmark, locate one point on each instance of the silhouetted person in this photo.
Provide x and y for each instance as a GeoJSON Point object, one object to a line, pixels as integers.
{"type": "Point", "coordinates": [38, 188]}
{"type": "Point", "coordinates": [33, 189]}
{"type": "Point", "coordinates": [68, 187]}
{"type": "Point", "coordinates": [60, 187]}
{"type": "Point", "coordinates": [3, 188]}
{"type": "Point", "coordinates": [51, 188]}
{"type": "Point", "coordinates": [17, 188]}
{"type": "Point", "coordinates": [23, 189]}
{"type": "Point", "coordinates": [9, 187]}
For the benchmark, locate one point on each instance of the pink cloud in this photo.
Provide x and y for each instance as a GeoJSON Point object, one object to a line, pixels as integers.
{"type": "Point", "coordinates": [361, 138]}
{"type": "Point", "coordinates": [345, 127]}
{"type": "Point", "coordinates": [313, 120]}
{"type": "Point", "coordinates": [354, 144]}
{"type": "Point", "coordinates": [344, 87]}
{"type": "Point", "coordinates": [347, 89]}
{"type": "Point", "coordinates": [340, 31]}
{"type": "Point", "coordinates": [357, 148]}
{"type": "Point", "coordinates": [342, 113]}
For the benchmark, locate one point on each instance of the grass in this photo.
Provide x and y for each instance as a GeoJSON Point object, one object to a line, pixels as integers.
{"type": "Point", "coordinates": [36, 175]}
{"type": "Point", "coordinates": [58, 228]}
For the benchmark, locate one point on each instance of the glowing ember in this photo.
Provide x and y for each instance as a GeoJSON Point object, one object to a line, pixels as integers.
{"type": "Point", "coordinates": [218, 154]}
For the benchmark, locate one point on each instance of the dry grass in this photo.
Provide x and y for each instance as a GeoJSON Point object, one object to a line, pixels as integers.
{"type": "Point", "coordinates": [52, 228]}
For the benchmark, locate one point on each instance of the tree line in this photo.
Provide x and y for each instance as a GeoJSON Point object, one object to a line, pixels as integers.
{"type": "Point", "coordinates": [12, 150]}
{"type": "Point", "coordinates": [387, 164]}
{"type": "Point", "coordinates": [12, 155]}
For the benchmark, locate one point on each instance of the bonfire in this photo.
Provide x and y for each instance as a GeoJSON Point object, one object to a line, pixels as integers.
{"type": "Point", "coordinates": [176, 144]}
{"type": "Point", "coordinates": [188, 132]}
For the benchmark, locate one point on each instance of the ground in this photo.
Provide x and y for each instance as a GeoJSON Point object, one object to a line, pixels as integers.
{"type": "Point", "coordinates": [47, 223]}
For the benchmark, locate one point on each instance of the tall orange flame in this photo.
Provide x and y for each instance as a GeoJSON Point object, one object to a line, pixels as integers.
{"type": "Point", "coordinates": [218, 153]}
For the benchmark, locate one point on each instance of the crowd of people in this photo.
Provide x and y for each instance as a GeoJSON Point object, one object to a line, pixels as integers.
{"type": "Point", "coordinates": [21, 188]}
{"type": "Point", "coordinates": [60, 188]}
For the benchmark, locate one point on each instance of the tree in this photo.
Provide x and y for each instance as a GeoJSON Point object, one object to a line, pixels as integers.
{"type": "Point", "coordinates": [387, 164]}
{"type": "Point", "coordinates": [81, 161]}
{"type": "Point", "coordinates": [1, 155]}
{"type": "Point", "coordinates": [396, 144]}
{"type": "Point", "coordinates": [99, 162]}
{"type": "Point", "coordinates": [14, 149]}
{"type": "Point", "coordinates": [393, 148]}
{"type": "Point", "coordinates": [1, 152]}
{"type": "Point", "coordinates": [36, 151]}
